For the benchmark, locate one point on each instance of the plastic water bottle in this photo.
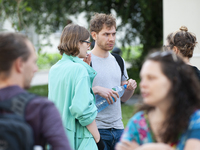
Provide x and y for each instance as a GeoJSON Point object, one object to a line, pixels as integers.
{"type": "Point", "coordinates": [101, 103]}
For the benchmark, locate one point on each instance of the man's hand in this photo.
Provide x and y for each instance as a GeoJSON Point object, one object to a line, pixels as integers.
{"type": "Point", "coordinates": [87, 59]}
{"type": "Point", "coordinates": [107, 94]}
{"type": "Point", "coordinates": [131, 84]}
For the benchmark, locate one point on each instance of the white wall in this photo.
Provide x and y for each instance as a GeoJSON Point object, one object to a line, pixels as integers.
{"type": "Point", "coordinates": [183, 12]}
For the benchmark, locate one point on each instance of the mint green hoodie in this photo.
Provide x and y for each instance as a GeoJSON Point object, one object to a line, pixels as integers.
{"type": "Point", "coordinates": [70, 88]}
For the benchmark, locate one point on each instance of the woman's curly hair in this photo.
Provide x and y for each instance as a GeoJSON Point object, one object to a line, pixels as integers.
{"type": "Point", "coordinates": [185, 41]}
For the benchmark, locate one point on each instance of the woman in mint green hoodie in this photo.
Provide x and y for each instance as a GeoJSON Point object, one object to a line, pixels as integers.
{"type": "Point", "coordinates": [70, 88]}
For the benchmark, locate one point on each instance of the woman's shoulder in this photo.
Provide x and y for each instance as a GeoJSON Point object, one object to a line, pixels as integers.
{"type": "Point", "coordinates": [77, 66]}
{"type": "Point", "coordinates": [138, 116]}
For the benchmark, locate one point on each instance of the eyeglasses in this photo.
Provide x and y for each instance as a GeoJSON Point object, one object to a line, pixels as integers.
{"type": "Point", "coordinates": [88, 43]}
{"type": "Point", "coordinates": [164, 54]}
{"type": "Point", "coordinates": [166, 48]}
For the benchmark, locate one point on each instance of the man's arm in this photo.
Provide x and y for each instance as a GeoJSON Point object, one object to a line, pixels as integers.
{"type": "Point", "coordinates": [106, 93]}
{"type": "Point", "coordinates": [131, 86]}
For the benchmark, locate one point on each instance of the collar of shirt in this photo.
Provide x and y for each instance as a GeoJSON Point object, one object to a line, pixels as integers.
{"type": "Point", "coordinates": [92, 73]}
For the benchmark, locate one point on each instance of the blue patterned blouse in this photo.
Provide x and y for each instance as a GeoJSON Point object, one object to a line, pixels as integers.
{"type": "Point", "coordinates": [138, 130]}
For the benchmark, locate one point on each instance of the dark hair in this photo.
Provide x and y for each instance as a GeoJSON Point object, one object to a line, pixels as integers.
{"type": "Point", "coordinates": [185, 41]}
{"type": "Point", "coordinates": [184, 91]}
{"type": "Point", "coordinates": [12, 46]}
{"type": "Point", "coordinates": [98, 20]}
{"type": "Point", "coordinates": [70, 38]}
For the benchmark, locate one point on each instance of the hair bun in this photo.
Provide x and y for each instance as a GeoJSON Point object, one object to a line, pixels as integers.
{"type": "Point", "coordinates": [183, 28]}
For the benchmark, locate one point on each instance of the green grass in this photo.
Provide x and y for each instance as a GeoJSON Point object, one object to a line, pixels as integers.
{"type": "Point", "coordinates": [127, 113]}
{"type": "Point", "coordinates": [127, 110]}
{"type": "Point", "coordinates": [46, 60]}
{"type": "Point", "coordinates": [41, 90]}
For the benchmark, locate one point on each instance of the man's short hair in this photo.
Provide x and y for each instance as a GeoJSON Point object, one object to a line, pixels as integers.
{"type": "Point", "coordinates": [71, 36]}
{"type": "Point", "coordinates": [12, 46]}
{"type": "Point", "coordinates": [99, 20]}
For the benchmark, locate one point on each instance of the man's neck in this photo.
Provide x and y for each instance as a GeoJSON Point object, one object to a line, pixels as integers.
{"type": "Point", "coordinates": [4, 84]}
{"type": "Point", "coordinates": [5, 81]}
{"type": "Point", "coordinates": [97, 51]}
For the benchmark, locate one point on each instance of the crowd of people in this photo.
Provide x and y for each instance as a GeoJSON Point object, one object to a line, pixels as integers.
{"type": "Point", "coordinates": [167, 119]}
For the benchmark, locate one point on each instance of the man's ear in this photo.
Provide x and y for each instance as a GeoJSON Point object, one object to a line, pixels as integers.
{"type": "Point", "coordinates": [176, 50]}
{"type": "Point", "coordinates": [94, 35]}
{"type": "Point", "coordinates": [18, 65]}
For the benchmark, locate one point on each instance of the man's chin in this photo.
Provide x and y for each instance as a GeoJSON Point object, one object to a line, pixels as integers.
{"type": "Point", "coordinates": [109, 49]}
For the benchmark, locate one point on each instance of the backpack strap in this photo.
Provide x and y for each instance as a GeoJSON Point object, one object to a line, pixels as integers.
{"type": "Point", "coordinates": [120, 62]}
{"type": "Point", "coordinates": [17, 104]}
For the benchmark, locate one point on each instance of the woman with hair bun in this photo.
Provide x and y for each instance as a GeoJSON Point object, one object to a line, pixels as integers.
{"type": "Point", "coordinates": [183, 43]}
{"type": "Point", "coordinates": [169, 117]}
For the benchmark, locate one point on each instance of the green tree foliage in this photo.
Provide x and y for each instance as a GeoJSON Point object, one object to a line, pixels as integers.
{"type": "Point", "coordinates": [142, 18]}
{"type": "Point", "coordinates": [45, 15]}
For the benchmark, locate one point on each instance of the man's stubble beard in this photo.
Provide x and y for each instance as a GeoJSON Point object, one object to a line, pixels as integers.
{"type": "Point", "coordinates": [103, 46]}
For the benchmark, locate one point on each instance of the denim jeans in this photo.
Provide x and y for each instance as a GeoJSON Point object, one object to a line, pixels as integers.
{"type": "Point", "coordinates": [110, 137]}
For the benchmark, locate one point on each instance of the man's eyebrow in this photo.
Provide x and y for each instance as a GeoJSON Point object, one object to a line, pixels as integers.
{"type": "Point", "coordinates": [109, 32]}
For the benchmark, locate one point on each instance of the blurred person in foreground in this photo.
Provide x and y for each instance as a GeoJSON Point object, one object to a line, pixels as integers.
{"type": "Point", "coordinates": [17, 67]}
{"type": "Point", "coordinates": [183, 43]}
{"type": "Point", "coordinates": [169, 116]}
{"type": "Point", "coordinates": [70, 88]}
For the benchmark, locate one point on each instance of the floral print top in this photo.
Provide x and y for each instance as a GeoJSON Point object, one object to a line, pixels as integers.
{"type": "Point", "coordinates": [138, 130]}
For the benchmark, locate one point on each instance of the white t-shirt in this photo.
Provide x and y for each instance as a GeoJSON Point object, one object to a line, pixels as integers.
{"type": "Point", "coordinates": [109, 76]}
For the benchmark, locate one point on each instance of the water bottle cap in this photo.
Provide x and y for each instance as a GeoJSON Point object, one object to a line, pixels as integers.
{"type": "Point", "coordinates": [125, 86]}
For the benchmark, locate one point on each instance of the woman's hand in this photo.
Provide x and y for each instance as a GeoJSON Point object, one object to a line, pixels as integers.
{"type": "Point", "coordinates": [87, 59]}
{"type": "Point", "coordinates": [126, 145]}
{"type": "Point", "coordinates": [192, 144]}
{"type": "Point", "coordinates": [100, 145]}
{"type": "Point", "coordinates": [155, 146]}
